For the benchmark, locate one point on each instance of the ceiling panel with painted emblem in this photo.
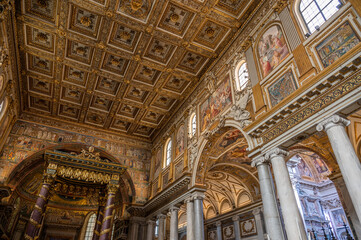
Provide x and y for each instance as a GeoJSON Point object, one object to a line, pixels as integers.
{"type": "Point", "coordinates": [120, 65]}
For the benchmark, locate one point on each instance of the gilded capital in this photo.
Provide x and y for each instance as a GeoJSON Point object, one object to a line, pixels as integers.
{"type": "Point", "coordinates": [334, 120]}
{"type": "Point", "coordinates": [112, 188]}
{"type": "Point", "coordinates": [276, 152]}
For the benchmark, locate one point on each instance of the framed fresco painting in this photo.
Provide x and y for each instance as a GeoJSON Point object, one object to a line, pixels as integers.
{"type": "Point", "coordinates": [282, 88]}
{"type": "Point", "coordinates": [337, 44]}
{"type": "Point", "coordinates": [215, 104]}
{"type": "Point", "coordinates": [180, 140]}
{"type": "Point", "coordinates": [272, 49]}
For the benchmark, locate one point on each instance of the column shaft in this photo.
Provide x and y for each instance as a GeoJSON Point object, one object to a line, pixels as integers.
{"type": "Point", "coordinates": [237, 230]}
{"type": "Point", "coordinates": [190, 217]}
{"type": "Point", "coordinates": [198, 217]}
{"type": "Point", "coordinates": [346, 156]}
{"type": "Point", "coordinates": [174, 223]}
{"type": "Point", "coordinates": [259, 225]}
{"type": "Point", "coordinates": [271, 213]}
{"type": "Point", "coordinates": [293, 221]}
{"type": "Point", "coordinates": [161, 230]}
{"type": "Point", "coordinates": [150, 229]}
{"type": "Point", "coordinates": [219, 230]}
{"type": "Point", "coordinates": [36, 218]}
{"type": "Point", "coordinates": [98, 223]}
{"type": "Point", "coordinates": [134, 230]}
{"type": "Point", "coordinates": [106, 229]}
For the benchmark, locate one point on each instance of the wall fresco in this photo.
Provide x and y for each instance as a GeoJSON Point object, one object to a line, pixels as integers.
{"type": "Point", "coordinates": [158, 160]}
{"type": "Point", "coordinates": [272, 49]}
{"type": "Point", "coordinates": [283, 87]}
{"type": "Point", "coordinates": [179, 148]}
{"type": "Point", "coordinates": [26, 139]}
{"type": "Point", "coordinates": [216, 103]}
{"type": "Point", "coordinates": [337, 44]}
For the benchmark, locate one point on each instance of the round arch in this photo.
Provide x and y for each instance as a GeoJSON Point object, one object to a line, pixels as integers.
{"type": "Point", "coordinates": [35, 161]}
{"type": "Point", "coordinates": [230, 123]}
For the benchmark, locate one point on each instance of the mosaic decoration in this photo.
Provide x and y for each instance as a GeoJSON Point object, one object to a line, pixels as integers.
{"type": "Point", "coordinates": [27, 139]}
{"type": "Point", "coordinates": [283, 87]}
{"type": "Point", "coordinates": [337, 44]}
{"type": "Point", "coordinates": [180, 140]}
{"type": "Point", "coordinates": [272, 49]}
{"type": "Point", "coordinates": [248, 227]}
{"type": "Point", "coordinates": [220, 100]}
{"type": "Point", "coordinates": [158, 161]}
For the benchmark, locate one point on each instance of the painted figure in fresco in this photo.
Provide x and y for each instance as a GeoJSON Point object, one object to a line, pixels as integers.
{"type": "Point", "coordinates": [180, 141]}
{"type": "Point", "coordinates": [272, 49]}
{"type": "Point", "coordinates": [303, 168]}
{"type": "Point", "coordinates": [230, 137]}
{"type": "Point", "coordinates": [319, 164]}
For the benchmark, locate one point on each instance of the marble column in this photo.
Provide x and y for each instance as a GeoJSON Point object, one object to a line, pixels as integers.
{"type": "Point", "coordinates": [237, 230]}
{"type": "Point", "coordinates": [190, 217]}
{"type": "Point", "coordinates": [161, 231]}
{"type": "Point", "coordinates": [292, 218]}
{"type": "Point", "coordinates": [106, 229]}
{"type": "Point", "coordinates": [219, 230]}
{"type": "Point", "coordinates": [198, 216]}
{"type": "Point", "coordinates": [259, 225]}
{"type": "Point", "coordinates": [346, 156]}
{"type": "Point", "coordinates": [150, 229]}
{"type": "Point", "coordinates": [270, 212]}
{"type": "Point", "coordinates": [36, 218]}
{"type": "Point", "coordinates": [134, 228]}
{"type": "Point", "coordinates": [100, 216]}
{"type": "Point", "coordinates": [174, 223]}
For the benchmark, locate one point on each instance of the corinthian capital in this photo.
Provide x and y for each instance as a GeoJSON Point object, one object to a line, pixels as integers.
{"type": "Point", "coordinates": [276, 152]}
{"type": "Point", "coordinates": [334, 120]}
{"type": "Point", "coordinates": [258, 161]}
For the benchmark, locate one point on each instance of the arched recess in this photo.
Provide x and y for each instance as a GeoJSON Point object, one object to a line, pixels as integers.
{"type": "Point", "coordinates": [225, 170]}
{"type": "Point", "coordinates": [35, 162]}
{"type": "Point", "coordinates": [205, 142]}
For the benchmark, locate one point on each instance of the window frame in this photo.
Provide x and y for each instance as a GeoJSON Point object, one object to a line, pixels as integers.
{"type": "Point", "coordinates": [304, 25]}
{"type": "Point", "coordinates": [168, 152]}
{"type": "Point", "coordinates": [237, 74]}
{"type": "Point", "coordinates": [192, 129]}
{"type": "Point", "coordinates": [89, 221]}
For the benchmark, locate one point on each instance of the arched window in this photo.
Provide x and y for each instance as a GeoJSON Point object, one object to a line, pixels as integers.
{"type": "Point", "coordinates": [193, 124]}
{"type": "Point", "coordinates": [90, 227]}
{"type": "Point", "coordinates": [242, 76]}
{"type": "Point", "coordinates": [156, 228]}
{"type": "Point", "coordinates": [168, 152]}
{"type": "Point", "coordinates": [316, 12]}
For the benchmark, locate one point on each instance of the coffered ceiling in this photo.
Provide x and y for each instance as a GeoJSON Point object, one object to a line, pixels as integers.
{"type": "Point", "coordinates": [119, 65]}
